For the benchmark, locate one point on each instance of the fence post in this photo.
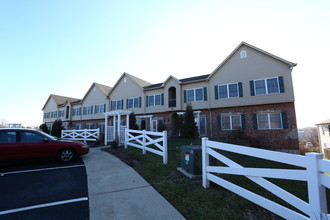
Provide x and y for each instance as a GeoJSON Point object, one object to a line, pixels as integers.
{"type": "Point", "coordinates": [316, 191]}
{"type": "Point", "coordinates": [165, 160]}
{"type": "Point", "coordinates": [205, 163]}
{"type": "Point", "coordinates": [62, 133]}
{"type": "Point", "coordinates": [126, 138]}
{"type": "Point", "coordinates": [85, 135]}
{"type": "Point", "coordinates": [144, 142]}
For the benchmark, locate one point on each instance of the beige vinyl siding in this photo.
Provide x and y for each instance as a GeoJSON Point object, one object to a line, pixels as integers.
{"type": "Point", "coordinates": [172, 83]}
{"type": "Point", "coordinates": [156, 108]}
{"type": "Point", "coordinates": [94, 97]}
{"type": "Point", "coordinates": [255, 66]}
{"type": "Point", "coordinates": [202, 104]}
{"type": "Point", "coordinates": [51, 106]}
{"type": "Point", "coordinates": [126, 88]}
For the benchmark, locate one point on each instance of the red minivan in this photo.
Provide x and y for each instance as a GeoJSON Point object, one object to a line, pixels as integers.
{"type": "Point", "coordinates": [20, 143]}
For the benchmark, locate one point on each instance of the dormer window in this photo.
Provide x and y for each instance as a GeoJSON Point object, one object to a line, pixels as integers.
{"type": "Point", "coordinates": [243, 54]}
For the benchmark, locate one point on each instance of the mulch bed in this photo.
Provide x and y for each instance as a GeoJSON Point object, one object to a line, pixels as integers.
{"type": "Point", "coordinates": [123, 157]}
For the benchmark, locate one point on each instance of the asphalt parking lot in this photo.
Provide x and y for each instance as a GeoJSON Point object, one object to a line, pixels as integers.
{"type": "Point", "coordinates": [43, 189]}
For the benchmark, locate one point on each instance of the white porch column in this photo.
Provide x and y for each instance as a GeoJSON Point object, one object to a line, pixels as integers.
{"type": "Point", "coordinates": [198, 122]}
{"type": "Point", "coordinates": [151, 125]}
{"type": "Point", "coordinates": [106, 130]}
{"type": "Point", "coordinates": [127, 121]}
{"type": "Point", "coordinates": [114, 127]}
{"type": "Point", "coordinates": [118, 128]}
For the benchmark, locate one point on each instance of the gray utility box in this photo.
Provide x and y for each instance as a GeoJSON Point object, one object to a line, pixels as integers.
{"type": "Point", "coordinates": [191, 159]}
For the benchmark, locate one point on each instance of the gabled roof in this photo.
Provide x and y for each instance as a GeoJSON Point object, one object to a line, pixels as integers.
{"type": "Point", "coordinates": [255, 48]}
{"type": "Point", "coordinates": [60, 100]}
{"type": "Point", "coordinates": [324, 122]}
{"type": "Point", "coordinates": [180, 81]}
{"type": "Point", "coordinates": [104, 89]}
{"type": "Point", "coordinates": [194, 78]}
{"type": "Point", "coordinates": [140, 82]}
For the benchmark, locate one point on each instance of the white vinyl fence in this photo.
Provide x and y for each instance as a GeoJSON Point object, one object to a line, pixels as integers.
{"type": "Point", "coordinates": [315, 174]}
{"type": "Point", "coordinates": [81, 135]}
{"type": "Point", "coordinates": [142, 139]}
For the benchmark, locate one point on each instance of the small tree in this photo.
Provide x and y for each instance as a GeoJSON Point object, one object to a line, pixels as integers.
{"type": "Point", "coordinates": [43, 127]}
{"type": "Point", "coordinates": [189, 129]}
{"type": "Point", "coordinates": [57, 128]}
{"type": "Point", "coordinates": [132, 122]}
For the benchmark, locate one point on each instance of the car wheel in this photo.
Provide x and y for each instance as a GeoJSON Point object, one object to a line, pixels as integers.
{"type": "Point", "coordinates": [66, 155]}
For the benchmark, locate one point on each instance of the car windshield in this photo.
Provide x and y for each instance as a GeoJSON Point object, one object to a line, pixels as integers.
{"type": "Point", "coordinates": [49, 136]}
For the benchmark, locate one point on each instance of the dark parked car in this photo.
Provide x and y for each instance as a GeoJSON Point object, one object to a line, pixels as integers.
{"type": "Point", "coordinates": [19, 143]}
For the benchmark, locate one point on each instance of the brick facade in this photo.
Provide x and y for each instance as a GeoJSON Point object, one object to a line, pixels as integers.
{"type": "Point", "coordinates": [279, 139]}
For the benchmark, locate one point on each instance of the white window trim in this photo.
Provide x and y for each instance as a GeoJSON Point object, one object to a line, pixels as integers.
{"type": "Point", "coordinates": [154, 102]}
{"type": "Point", "coordinates": [133, 103]}
{"type": "Point", "coordinates": [202, 88]}
{"type": "Point", "coordinates": [98, 108]}
{"type": "Point", "coordinates": [269, 122]}
{"type": "Point", "coordinates": [266, 86]}
{"type": "Point", "coordinates": [116, 104]}
{"type": "Point", "coordinates": [227, 85]}
{"type": "Point", "coordinates": [231, 122]}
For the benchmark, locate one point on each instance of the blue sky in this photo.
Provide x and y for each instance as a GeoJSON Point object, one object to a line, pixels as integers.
{"type": "Point", "coordinates": [61, 47]}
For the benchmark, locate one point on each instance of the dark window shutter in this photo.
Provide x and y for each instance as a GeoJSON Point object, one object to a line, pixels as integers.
{"type": "Point", "coordinates": [252, 88]}
{"type": "Point", "coordinates": [92, 109]}
{"type": "Point", "coordinates": [255, 121]}
{"type": "Point", "coordinates": [126, 103]}
{"type": "Point", "coordinates": [284, 120]}
{"type": "Point", "coordinates": [162, 98]}
{"type": "Point", "coordinates": [205, 94]}
{"type": "Point", "coordinates": [184, 96]}
{"type": "Point", "coordinates": [147, 101]}
{"type": "Point", "coordinates": [140, 102]}
{"type": "Point", "coordinates": [216, 92]}
{"type": "Point", "coordinates": [243, 121]}
{"type": "Point", "coordinates": [122, 104]}
{"type": "Point", "coordinates": [240, 89]}
{"type": "Point", "coordinates": [281, 83]}
{"type": "Point", "coordinates": [219, 121]}
{"type": "Point", "coordinates": [105, 108]}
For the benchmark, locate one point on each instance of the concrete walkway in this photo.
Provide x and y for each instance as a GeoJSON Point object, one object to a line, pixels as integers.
{"type": "Point", "coordinates": [117, 191]}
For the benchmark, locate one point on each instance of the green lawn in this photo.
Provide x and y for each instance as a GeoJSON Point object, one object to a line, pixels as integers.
{"type": "Point", "coordinates": [193, 201]}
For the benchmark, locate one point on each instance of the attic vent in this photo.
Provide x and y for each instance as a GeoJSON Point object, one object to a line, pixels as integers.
{"type": "Point", "coordinates": [94, 89]}
{"type": "Point", "coordinates": [243, 54]}
{"type": "Point", "coordinates": [125, 79]}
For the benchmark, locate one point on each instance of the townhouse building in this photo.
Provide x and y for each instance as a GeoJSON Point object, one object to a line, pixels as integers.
{"type": "Point", "coordinates": [249, 96]}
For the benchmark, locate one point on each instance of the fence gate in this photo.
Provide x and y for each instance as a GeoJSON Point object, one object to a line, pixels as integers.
{"type": "Point", "coordinates": [315, 174]}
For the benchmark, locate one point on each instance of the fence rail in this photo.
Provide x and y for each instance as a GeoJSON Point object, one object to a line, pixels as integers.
{"type": "Point", "coordinates": [142, 139]}
{"type": "Point", "coordinates": [315, 174]}
{"type": "Point", "coordinates": [81, 135]}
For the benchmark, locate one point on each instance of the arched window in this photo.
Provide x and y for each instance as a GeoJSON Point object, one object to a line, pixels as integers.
{"type": "Point", "coordinates": [172, 97]}
{"type": "Point", "coordinates": [243, 54]}
{"type": "Point", "coordinates": [67, 112]}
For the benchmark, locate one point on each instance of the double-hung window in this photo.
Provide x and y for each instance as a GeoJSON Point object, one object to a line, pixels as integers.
{"type": "Point", "coordinates": [99, 109]}
{"type": "Point", "coordinates": [117, 104]}
{"type": "Point", "coordinates": [231, 122]}
{"type": "Point", "coordinates": [87, 110]}
{"type": "Point", "coordinates": [133, 102]}
{"type": "Point", "coordinates": [231, 90]}
{"type": "Point", "coordinates": [76, 111]}
{"type": "Point", "coordinates": [270, 121]}
{"type": "Point", "coordinates": [195, 95]}
{"type": "Point", "coordinates": [60, 113]}
{"type": "Point", "coordinates": [267, 86]}
{"type": "Point", "coordinates": [154, 100]}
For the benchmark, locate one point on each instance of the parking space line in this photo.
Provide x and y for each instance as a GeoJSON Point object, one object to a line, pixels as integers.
{"type": "Point", "coordinates": [38, 170]}
{"type": "Point", "coordinates": [43, 205]}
